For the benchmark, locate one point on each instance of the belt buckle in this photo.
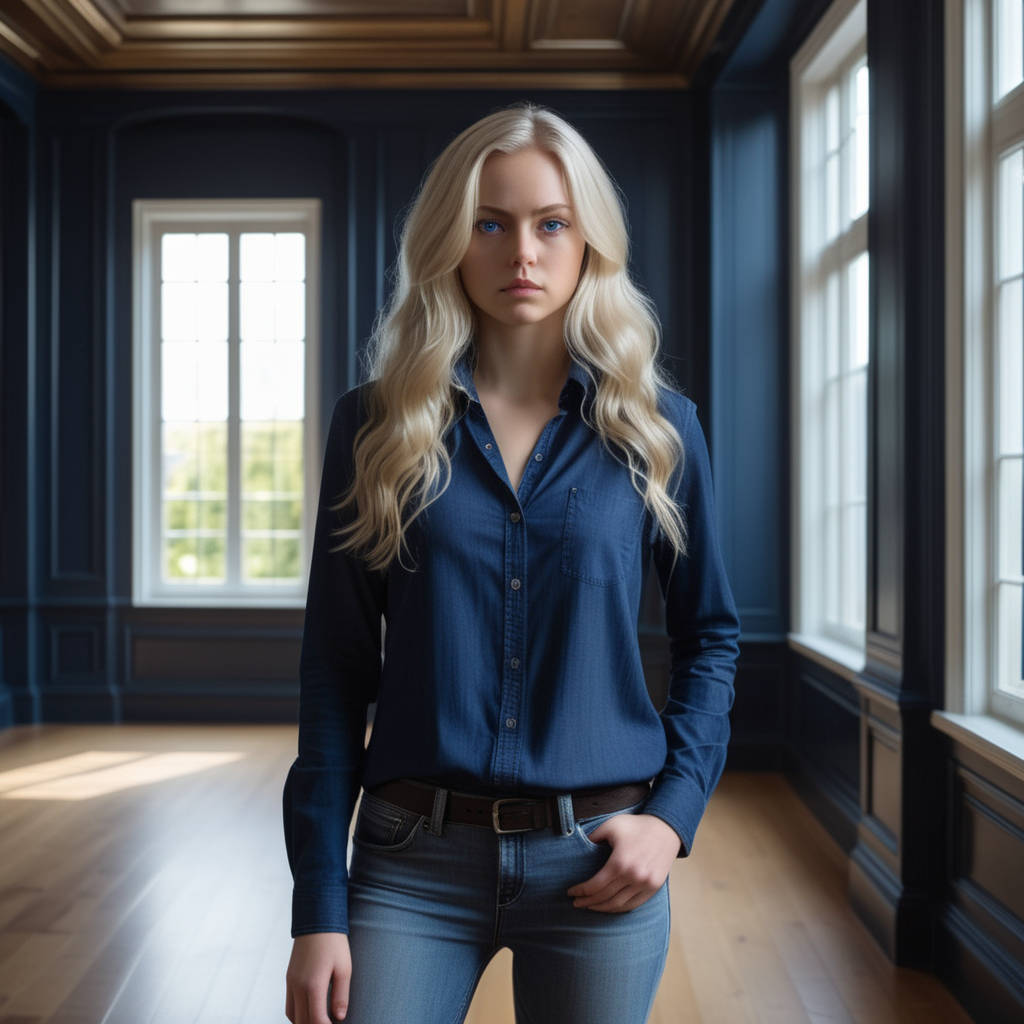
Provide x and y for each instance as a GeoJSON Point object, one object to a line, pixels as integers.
{"type": "Point", "coordinates": [496, 816]}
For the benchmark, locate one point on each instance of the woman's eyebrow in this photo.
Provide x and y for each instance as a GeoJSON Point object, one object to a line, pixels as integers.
{"type": "Point", "coordinates": [535, 213]}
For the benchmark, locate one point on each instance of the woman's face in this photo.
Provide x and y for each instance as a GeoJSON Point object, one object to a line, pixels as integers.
{"type": "Point", "coordinates": [526, 252]}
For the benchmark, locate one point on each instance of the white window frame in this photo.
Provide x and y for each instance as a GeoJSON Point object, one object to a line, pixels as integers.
{"type": "Point", "coordinates": [837, 44]}
{"type": "Point", "coordinates": [977, 133]}
{"type": "Point", "coordinates": [151, 219]}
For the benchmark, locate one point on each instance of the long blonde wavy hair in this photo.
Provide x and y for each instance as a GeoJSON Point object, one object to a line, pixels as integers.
{"type": "Point", "coordinates": [401, 463]}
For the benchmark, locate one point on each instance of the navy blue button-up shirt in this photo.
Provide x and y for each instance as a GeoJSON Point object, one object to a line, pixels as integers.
{"type": "Point", "coordinates": [511, 662]}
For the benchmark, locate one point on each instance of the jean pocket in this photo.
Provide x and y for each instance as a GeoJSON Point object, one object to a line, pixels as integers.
{"type": "Point", "coordinates": [600, 542]}
{"type": "Point", "coordinates": [385, 827]}
{"type": "Point", "coordinates": [585, 826]}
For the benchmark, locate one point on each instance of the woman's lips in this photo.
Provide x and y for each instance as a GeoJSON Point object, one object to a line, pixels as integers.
{"type": "Point", "coordinates": [517, 289]}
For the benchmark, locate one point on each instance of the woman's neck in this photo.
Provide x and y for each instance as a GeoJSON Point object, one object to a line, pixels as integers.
{"type": "Point", "coordinates": [521, 365]}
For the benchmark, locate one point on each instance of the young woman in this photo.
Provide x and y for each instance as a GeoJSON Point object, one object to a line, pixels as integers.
{"type": "Point", "coordinates": [495, 495]}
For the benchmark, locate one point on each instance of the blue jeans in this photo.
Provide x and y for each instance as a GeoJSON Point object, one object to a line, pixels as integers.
{"type": "Point", "coordinates": [430, 904]}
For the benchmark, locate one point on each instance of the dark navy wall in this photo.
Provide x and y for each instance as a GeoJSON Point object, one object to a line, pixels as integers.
{"type": "Point", "coordinates": [742, 117]}
{"type": "Point", "coordinates": [18, 96]}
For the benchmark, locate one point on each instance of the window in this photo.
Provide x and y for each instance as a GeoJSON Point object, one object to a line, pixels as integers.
{"type": "Point", "coordinates": [830, 316]}
{"type": "Point", "coordinates": [226, 295]}
{"type": "Point", "coordinates": [986, 358]}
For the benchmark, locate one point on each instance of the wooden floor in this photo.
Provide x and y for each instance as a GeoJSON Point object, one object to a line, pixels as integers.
{"type": "Point", "coordinates": [143, 881]}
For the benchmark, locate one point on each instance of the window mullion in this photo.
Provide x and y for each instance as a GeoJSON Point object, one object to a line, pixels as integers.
{"type": "Point", "coordinates": [154, 551]}
{"type": "Point", "coordinates": [234, 509]}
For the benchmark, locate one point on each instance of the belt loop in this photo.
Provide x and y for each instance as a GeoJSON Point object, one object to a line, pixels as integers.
{"type": "Point", "coordinates": [437, 815]}
{"type": "Point", "coordinates": [566, 818]}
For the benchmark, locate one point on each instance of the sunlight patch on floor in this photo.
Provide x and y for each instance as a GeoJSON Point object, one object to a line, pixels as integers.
{"type": "Point", "coordinates": [99, 772]}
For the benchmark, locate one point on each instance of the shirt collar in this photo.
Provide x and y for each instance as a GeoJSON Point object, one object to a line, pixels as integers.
{"type": "Point", "coordinates": [579, 381]}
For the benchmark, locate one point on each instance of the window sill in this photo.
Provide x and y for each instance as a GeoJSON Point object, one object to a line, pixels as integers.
{"type": "Point", "coordinates": [995, 740]}
{"type": "Point", "coordinates": [842, 659]}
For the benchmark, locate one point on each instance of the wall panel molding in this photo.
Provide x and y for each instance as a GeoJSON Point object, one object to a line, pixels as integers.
{"type": "Point", "coordinates": [77, 487]}
{"type": "Point", "coordinates": [758, 718]}
{"type": "Point", "coordinates": [823, 745]}
{"type": "Point", "coordinates": [980, 936]}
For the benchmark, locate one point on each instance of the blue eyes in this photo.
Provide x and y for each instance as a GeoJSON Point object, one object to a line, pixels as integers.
{"type": "Point", "coordinates": [494, 227]}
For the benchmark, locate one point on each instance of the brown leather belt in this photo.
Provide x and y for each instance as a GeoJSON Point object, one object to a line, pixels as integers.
{"type": "Point", "coordinates": [509, 814]}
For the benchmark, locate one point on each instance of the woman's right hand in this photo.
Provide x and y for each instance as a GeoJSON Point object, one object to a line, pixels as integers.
{"type": "Point", "coordinates": [318, 962]}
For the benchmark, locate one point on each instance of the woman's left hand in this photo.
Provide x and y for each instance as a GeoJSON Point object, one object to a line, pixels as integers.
{"type": "Point", "coordinates": [643, 849]}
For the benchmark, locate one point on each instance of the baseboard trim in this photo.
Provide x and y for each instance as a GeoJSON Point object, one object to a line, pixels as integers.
{"type": "Point", "coordinates": [987, 981]}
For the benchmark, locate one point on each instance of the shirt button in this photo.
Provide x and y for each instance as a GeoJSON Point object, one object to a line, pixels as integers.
{"type": "Point", "coordinates": [516, 584]}
{"type": "Point", "coordinates": [488, 446]}
{"type": "Point", "coordinates": [514, 517]}
{"type": "Point", "coordinates": [538, 457]}
{"type": "Point", "coordinates": [514, 663]}
{"type": "Point", "coordinates": [510, 723]}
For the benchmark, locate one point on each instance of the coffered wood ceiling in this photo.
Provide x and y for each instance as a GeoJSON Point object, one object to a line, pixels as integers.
{"type": "Point", "coordinates": [367, 43]}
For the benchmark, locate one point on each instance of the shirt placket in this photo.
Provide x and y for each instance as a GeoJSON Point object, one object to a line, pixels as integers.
{"type": "Point", "coordinates": [514, 654]}
{"type": "Point", "coordinates": [509, 742]}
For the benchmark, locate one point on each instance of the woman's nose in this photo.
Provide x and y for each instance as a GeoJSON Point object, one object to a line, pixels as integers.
{"type": "Point", "coordinates": [525, 251]}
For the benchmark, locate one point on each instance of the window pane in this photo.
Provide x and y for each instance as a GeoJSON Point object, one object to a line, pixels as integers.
{"type": "Point", "coordinates": [1009, 480]}
{"type": "Point", "coordinates": [212, 257]}
{"type": "Point", "coordinates": [256, 319]}
{"type": "Point", "coordinates": [273, 380]}
{"type": "Point", "coordinates": [212, 309]}
{"type": "Point", "coordinates": [832, 448]}
{"type": "Point", "coordinates": [178, 257]}
{"type": "Point", "coordinates": [1010, 368]}
{"type": "Point", "coordinates": [853, 555]}
{"type": "Point", "coordinates": [858, 284]}
{"type": "Point", "coordinates": [832, 567]}
{"type": "Point", "coordinates": [857, 436]}
{"type": "Point", "coordinates": [194, 380]}
{"type": "Point", "coordinates": [832, 120]}
{"type": "Point", "coordinates": [179, 312]}
{"type": "Point", "coordinates": [833, 337]}
{"type": "Point", "coordinates": [832, 202]}
{"type": "Point", "coordinates": [194, 502]}
{"type": "Point", "coordinates": [289, 256]}
{"type": "Point", "coordinates": [272, 489]}
{"type": "Point", "coordinates": [1009, 46]}
{"type": "Point", "coordinates": [289, 312]}
{"type": "Point", "coordinates": [256, 257]}
{"type": "Point", "coordinates": [1010, 608]}
{"type": "Point", "coordinates": [859, 162]}
{"type": "Point", "coordinates": [1010, 215]}
{"type": "Point", "coordinates": [857, 585]}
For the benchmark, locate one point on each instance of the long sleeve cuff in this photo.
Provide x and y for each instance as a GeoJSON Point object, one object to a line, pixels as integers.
{"type": "Point", "coordinates": [320, 910]}
{"type": "Point", "coordinates": [679, 803]}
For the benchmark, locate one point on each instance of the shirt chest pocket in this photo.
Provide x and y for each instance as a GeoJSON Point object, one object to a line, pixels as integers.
{"type": "Point", "coordinates": [600, 543]}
